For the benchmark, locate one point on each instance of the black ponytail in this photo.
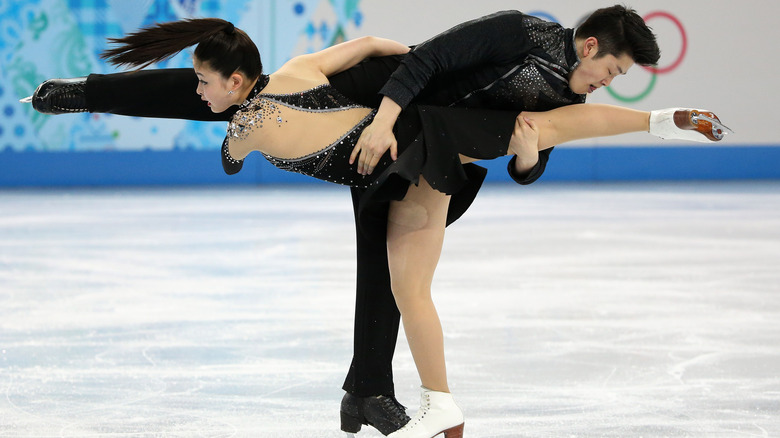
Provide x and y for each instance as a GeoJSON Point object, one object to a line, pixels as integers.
{"type": "Point", "coordinates": [223, 47]}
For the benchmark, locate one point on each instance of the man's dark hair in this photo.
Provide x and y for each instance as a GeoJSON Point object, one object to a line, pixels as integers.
{"type": "Point", "coordinates": [620, 30]}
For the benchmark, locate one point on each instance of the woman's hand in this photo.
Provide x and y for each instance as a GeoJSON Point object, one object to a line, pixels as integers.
{"type": "Point", "coordinates": [377, 138]}
{"type": "Point", "coordinates": [525, 143]}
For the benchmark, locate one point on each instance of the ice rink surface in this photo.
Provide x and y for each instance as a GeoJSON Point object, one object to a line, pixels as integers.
{"type": "Point", "coordinates": [589, 310]}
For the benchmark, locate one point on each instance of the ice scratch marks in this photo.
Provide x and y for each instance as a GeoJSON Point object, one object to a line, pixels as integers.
{"type": "Point", "coordinates": [678, 370]}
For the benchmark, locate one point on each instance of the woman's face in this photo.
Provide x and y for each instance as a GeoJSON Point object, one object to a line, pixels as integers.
{"type": "Point", "coordinates": [595, 72]}
{"type": "Point", "coordinates": [213, 88]}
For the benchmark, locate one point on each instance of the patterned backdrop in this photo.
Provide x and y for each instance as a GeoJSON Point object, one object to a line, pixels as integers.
{"type": "Point", "coordinates": [41, 39]}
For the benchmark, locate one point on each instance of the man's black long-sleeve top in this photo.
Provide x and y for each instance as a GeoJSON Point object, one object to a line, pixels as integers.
{"type": "Point", "coordinates": [507, 60]}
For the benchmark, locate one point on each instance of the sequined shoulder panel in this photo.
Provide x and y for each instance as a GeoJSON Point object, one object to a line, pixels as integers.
{"type": "Point", "coordinates": [549, 36]}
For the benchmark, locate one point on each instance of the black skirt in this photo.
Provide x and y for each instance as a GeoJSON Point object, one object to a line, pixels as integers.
{"type": "Point", "coordinates": [430, 141]}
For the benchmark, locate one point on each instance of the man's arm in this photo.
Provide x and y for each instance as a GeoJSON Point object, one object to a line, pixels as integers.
{"type": "Point", "coordinates": [534, 173]}
{"type": "Point", "coordinates": [362, 83]}
{"type": "Point", "coordinates": [495, 39]}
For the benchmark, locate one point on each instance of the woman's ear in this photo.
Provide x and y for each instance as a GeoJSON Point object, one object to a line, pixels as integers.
{"type": "Point", "coordinates": [235, 81]}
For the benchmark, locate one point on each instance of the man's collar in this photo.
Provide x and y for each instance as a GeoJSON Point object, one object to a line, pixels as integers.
{"type": "Point", "coordinates": [572, 58]}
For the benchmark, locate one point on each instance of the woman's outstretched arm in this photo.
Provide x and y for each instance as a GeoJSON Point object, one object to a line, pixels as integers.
{"type": "Point", "coordinates": [340, 57]}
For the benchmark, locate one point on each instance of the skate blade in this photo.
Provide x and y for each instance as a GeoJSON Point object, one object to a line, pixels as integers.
{"type": "Point", "coordinates": [710, 126]}
{"type": "Point", "coordinates": [27, 99]}
{"type": "Point", "coordinates": [719, 125]}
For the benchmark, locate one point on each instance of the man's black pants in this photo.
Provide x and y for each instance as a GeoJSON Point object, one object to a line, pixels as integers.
{"type": "Point", "coordinates": [170, 93]}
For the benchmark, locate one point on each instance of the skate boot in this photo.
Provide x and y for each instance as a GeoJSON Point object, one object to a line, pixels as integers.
{"type": "Point", "coordinates": [687, 124]}
{"type": "Point", "coordinates": [438, 414]}
{"type": "Point", "coordinates": [60, 96]}
{"type": "Point", "coordinates": [381, 412]}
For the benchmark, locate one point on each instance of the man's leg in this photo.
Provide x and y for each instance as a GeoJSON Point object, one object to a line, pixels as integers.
{"type": "Point", "coordinates": [369, 383]}
{"type": "Point", "coordinates": [376, 315]}
{"type": "Point", "coordinates": [170, 93]}
{"type": "Point", "coordinates": [163, 93]}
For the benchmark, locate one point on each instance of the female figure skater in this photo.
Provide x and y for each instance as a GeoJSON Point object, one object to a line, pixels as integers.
{"type": "Point", "coordinates": [302, 124]}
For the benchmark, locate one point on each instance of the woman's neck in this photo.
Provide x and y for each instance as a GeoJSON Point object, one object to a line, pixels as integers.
{"type": "Point", "coordinates": [243, 93]}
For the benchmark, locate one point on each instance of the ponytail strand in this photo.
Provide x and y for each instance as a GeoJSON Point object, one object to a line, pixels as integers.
{"type": "Point", "coordinates": [225, 48]}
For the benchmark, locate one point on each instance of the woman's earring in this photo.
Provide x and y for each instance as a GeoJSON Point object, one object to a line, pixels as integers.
{"type": "Point", "coordinates": [230, 92]}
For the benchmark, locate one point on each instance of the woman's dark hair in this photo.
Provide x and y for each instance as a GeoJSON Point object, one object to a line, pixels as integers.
{"type": "Point", "coordinates": [620, 30]}
{"type": "Point", "coordinates": [223, 47]}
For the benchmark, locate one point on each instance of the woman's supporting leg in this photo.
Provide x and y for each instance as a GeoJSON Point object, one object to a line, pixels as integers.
{"type": "Point", "coordinates": [415, 235]}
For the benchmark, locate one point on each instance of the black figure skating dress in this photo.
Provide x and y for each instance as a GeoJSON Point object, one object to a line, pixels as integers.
{"type": "Point", "coordinates": [430, 142]}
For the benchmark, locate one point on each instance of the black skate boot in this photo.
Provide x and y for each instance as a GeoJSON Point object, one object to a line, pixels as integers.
{"type": "Point", "coordinates": [381, 412]}
{"type": "Point", "coordinates": [60, 96]}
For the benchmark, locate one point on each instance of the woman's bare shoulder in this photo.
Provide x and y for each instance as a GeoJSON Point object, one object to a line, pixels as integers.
{"type": "Point", "coordinates": [291, 81]}
{"type": "Point", "coordinates": [301, 68]}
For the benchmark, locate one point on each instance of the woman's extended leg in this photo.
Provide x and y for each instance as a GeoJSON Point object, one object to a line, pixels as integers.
{"type": "Point", "coordinates": [576, 122]}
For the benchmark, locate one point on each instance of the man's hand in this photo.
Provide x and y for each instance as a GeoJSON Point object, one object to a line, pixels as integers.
{"type": "Point", "coordinates": [377, 138]}
{"type": "Point", "coordinates": [525, 144]}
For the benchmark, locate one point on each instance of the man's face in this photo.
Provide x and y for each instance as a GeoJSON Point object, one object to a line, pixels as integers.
{"type": "Point", "coordinates": [596, 72]}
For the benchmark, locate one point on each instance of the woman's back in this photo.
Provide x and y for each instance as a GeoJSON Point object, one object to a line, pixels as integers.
{"type": "Point", "coordinates": [288, 117]}
{"type": "Point", "coordinates": [300, 125]}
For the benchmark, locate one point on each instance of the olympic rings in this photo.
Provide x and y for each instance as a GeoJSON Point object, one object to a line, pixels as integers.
{"type": "Point", "coordinates": [684, 36]}
{"type": "Point", "coordinates": [638, 97]}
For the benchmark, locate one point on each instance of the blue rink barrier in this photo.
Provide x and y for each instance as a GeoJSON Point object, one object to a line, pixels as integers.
{"type": "Point", "coordinates": [187, 167]}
